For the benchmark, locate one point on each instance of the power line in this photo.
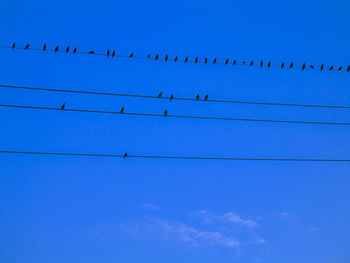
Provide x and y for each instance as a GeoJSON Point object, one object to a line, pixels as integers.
{"type": "Point", "coordinates": [196, 60]}
{"type": "Point", "coordinates": [176, 98]}
{"type": "Point", "coordinates": [166, 115]}
{"type": "Point", "coordinates": [126, 155]}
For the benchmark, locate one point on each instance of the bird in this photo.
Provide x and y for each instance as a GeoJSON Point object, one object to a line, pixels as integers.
{"type": "Point", "coordinates": [131, 55]}
{"type": "Point", "coordinates": [321, 68]}
{"type": "Point", "coordinates": [234, 62]}
{"type": "Point", "coordinates": [251, 63]}
{"type": "Point", "coordinates": [125, 155]}
{"type": "Point", "coordinates": [13, 45]}
{"type": "Point", "coordinates": [175, 59]}
{"type": "Point", "coordinates": [160, 94]}
{"type": "Point", "coordinates": [44, 47]}
{"type": "Point", "coordinates": [340, 68]}
{"type": "Point", "coordinates": [166, 57]}
{"type": "Point", "coordinates": [205, 60]}
{"type": "Point", "coordinates": [107, 53]}
{"type": "Point", "coordinates": [148, 55]}
{"type": "Point", "coordinates": [331, 67]}
{"type": "Point", "coordinates": [122, 110]}
{"type": "Point", "coordinates": [269, 64]}
{"type": "Point", "coordinates": [197, 97]}
{"type": "Point", "coordinates": [113, 53]}
{"type": "Point", "coordinates": [206, 97]}
{"type": "Point", "coordinates": [63, 105]}
{"type": "Point", "coordinates": [26, 47]}
{"type": "Point", "coordinates": [243, 62]}
{"type": "Point", "coordinates": [348, 68]}
{"type": "Point", "coordinates": [196, 60]}
{"type": "Point", "coordinates": [282, 65]}
{"type": "Point", "coordinates": [312, 67]}
{"type": "Point", "coordinates": [303, 66]}
{"type": "Point", "coordinates": [261, 63]}
{"type": "Point", "coordinates": [171, 97]}
{"type": "Point", "coordinates": [56, 48]}
{"type": "Point", "coordinates": [226, 62]}
{"type": "Point", "coordinates": [186, 59]}
{"type": "Point", "coordinates": [74, 50]}
{"type": "Point", "coordinates": [165, 113]}
{"type": "Point", "coordinates": [291, 65]}
{"type": "Point", "coordinates": [67, 49]}
{"type": "Point", "coordinates": [214, 61]}
{"type": "Point", "coordinates": [156, 57]}
{"type": "Point", "coordinates": [91, 52]}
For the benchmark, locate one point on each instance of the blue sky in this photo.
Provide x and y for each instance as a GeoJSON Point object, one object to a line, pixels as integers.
{"type": "Point", "coordinates": [65, 209]}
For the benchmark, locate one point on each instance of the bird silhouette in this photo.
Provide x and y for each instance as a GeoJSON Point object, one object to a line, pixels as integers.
{"type": "Point", "coordinates": [44, 47]}
{"type": "Point", "coordinates": [312, 67]}
{"type": "Point", "coordinates": [13, 45]}
{"type": "Point", "coordinates": [234, 62]}
{"type": "Point", "coordinates": [251, 63]}
{"type": "Point", "coordinates": [243, 62]}
{"type": "Point", "coordinates": [107, 53]}
{"type": "Point", "coordinates": [226, 62]}
{"type": "Point", "coordinates": [214, 61]}
{"type": "Point", "coordinates": [171, 97]}
{"type": "Point", "coordinates": [131, 55]}
{"type": "Point", "coordinates": [125, 155]}
{"type": "Point", "coordinates": [113, 53]}
{"type": "Point", "coordinates": [175, 59]}
{"type": "Point", "coordinates": [156, 57]}
{"type": "Point", "coordinates": [160, 94]}
{"type": "Point", "coordinates": [348, 69]}
{"type": "Point", "coordinates": [74, 50]}
{"type": "Point", "coordinates": [195, 60]}
{"type": "Point", "coordinates": [261, 63]}
{"type": "Point", "coordinates": [340, 68]}
{"type": "Point", "coordinates": [206, 97]}
{"type": "Point", "coordinates": [291, 65]}
{"type": "Point", "coordinates": [67, 49]}
{"type": "Point", "coordinates": [63, 106]}
{"type": "Point", "coordinates": [186, 59]}
{"type": "Point", "coordinates": [91, 52]}
{"type": "Point", "coordinates": [148, 55]}
{"type": "Point", "coordinates": [303, 66]}
{"type": "Point", "coordinates": [331, 67]}
{"type": "Point", "coordinates": [282, 65]}
{"type": "Point", "coordinates": [269, 64]}
{"type": "Point", "coordinates": [205, 60]}
{"type": "Point", "coordinates": [122, 110]}
{"type": "Point", "coordinates": [166, 57]}
{"type": "Point", "coordinates": [165, 113]}
{"type": "Point", "coordinates": [197, 97]}
{"type": "Point", "coordinates": [321, 68]}
{"type": "Point", "coordinates": [56, 48]}
{"type": "Point", "coordinates": [26, 47]}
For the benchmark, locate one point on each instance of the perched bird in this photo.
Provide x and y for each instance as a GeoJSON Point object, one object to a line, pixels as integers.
{"type": "Point", "coordinates": [303, 66]}
{"type": "Point", "coordinates": [348, 68]}
{"type": "Point", "coordinates": [205, 60]}
{"type": "Point", "coordinates": [131, 55]}
{"type": "Point", "coordinates": [44, 47]}
{"type": "Point", "coordinates": [196, 60]}
{"type": "Point", "coordinates": [165, 113]}
{"type": "Point", "coordinates": [26, 47]}
{"type": "Point", "coordinates": [74, 50]}
{"type": "Point", "coordinates": [321, 68]}
{"type": "Point", "coordinates": [122, 110]}
{"type": "Point", "coordinates": [282, 65]}
{"type": "Point", "coordinates": [63, 105]}
{"type": "Point", "coordinates": [261, 63]}
{"type": "Point", "coordinates": [312, 67]}
{"type": "Point", "coordinates": [243, 62]}
{"type": "Point", "coordinates": [186, 59]}
{"type": "Point", "coordinates": [91, 52]}
{"type": "Point", "coordinates": [160, 94]}
{"type": "Point", "coordinates": [166, 57]}
{"type": "Point", "coordinates": [175, 59]}
{"type": "Point", "coordinates": [171, 97]}
{"type": "Point", "coordinates": [148, 55]}
{"type": "Point", "coordinates": [251, 63]}
{"type": "Point", "coordinates": [269, 64]}
{"type": "Point", "coordinates": [214, 61]}
{"type": "Point", "coordinates": [226, 62]}
{"type": "Point", "coordinates": [234, 62]}
{"type": "Point", "coordinates": [156, 57]}
{"type": "Point", "coordinates": [125, 155]}
{"type": "Point", "coordinates": [340, 68]}
{"type": "Point", "coordinates": [291, 65]}
{"type": "Point", "coordinates": [197, 97]}
{"type": "Point", "coordinates": [331, 67]}
{"type": "Point", "coordinates": [206, 97]}
{"type": "Point", "coordinates": [13, 45]}
{"type": "Point", "coordinates": [107, 53]}
{"type": "Point", "coordinates": [56, 48]}
{"type": "Point", "coordinates": [67, 49]}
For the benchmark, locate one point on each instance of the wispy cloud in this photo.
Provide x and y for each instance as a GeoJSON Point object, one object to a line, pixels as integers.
{"type": "Point", "coordinates": [236, 219]}
{"type": "Point", "coordinates": [289, 218]}
{"type": "Point", "coordinates": [149, 206]}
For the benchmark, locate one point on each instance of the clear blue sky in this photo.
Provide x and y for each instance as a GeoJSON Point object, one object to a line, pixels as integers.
{"type": "Point", "coordinates": [65, 209]}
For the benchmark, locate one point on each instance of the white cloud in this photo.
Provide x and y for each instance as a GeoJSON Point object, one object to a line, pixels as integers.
{"type": "Point", "coordinates": [289, 218]}
{"type": "Point", "coordinates": [149, 206]}
{"type": "Point", "coordinates": [236, 219]}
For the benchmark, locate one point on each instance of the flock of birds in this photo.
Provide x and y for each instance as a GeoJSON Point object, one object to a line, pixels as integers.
{"type": "Point", "coordinates": [166, 58]}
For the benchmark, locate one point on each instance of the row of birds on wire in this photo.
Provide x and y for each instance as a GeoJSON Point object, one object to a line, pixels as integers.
{"type": "Point", "coordinates": [166, 58]}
